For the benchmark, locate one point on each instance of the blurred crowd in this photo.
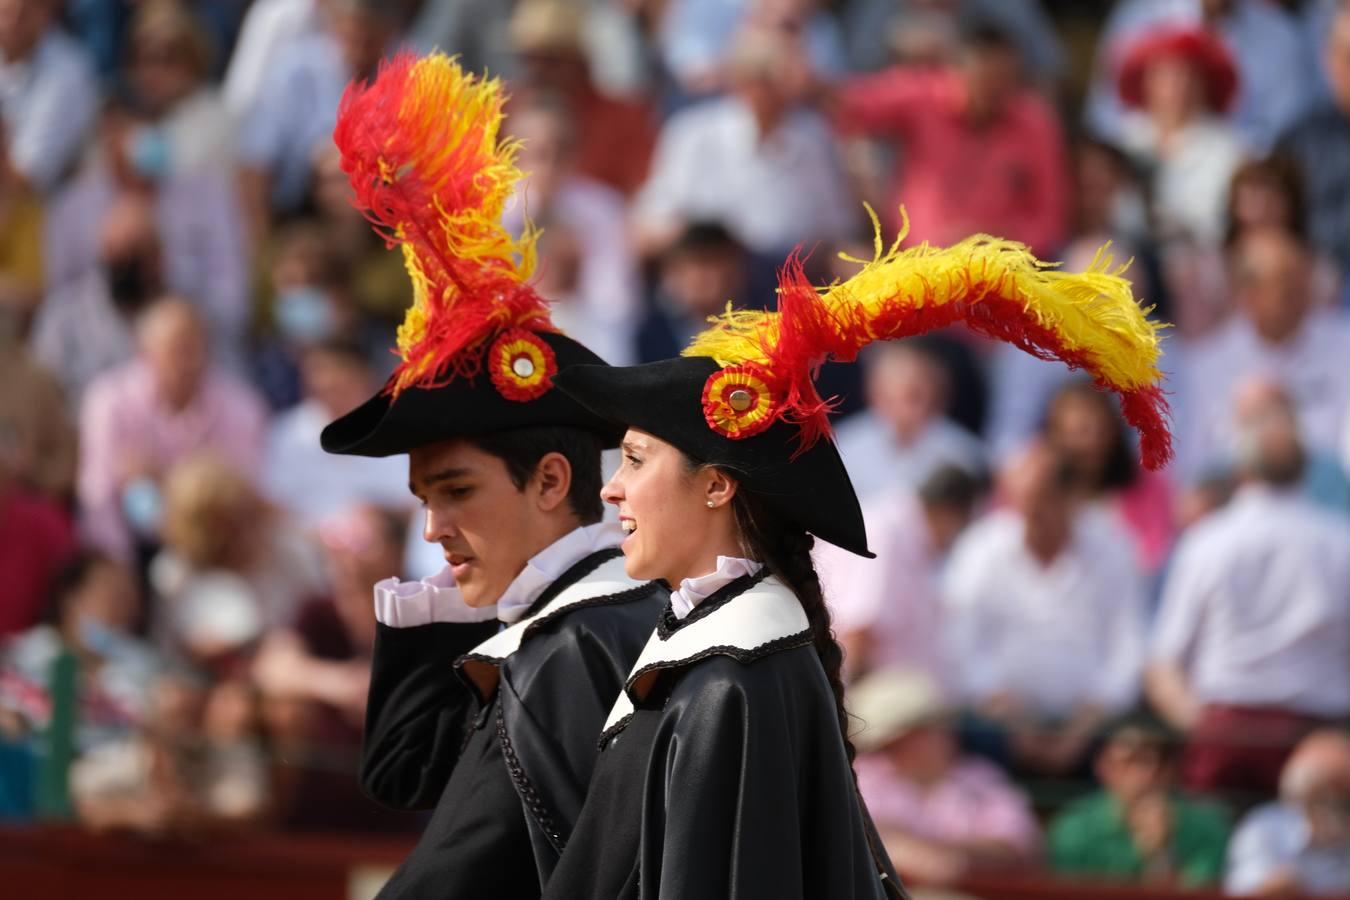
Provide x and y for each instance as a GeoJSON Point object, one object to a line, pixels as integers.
{"type": "Point", "coordinates": [1059, 660]}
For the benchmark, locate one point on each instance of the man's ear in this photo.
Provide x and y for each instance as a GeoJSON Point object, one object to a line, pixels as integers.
{"type": "Point", "coordinates": [552, 481]}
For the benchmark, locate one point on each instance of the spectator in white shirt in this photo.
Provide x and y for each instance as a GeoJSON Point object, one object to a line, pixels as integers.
{"type": "Point", "coordinates": [1045, 619]}
{"type": "Point", "coordinates": [1300, 844]}
{"type": "Point", "coordinates": [298, 476]}
{"type": "Point", "coordinates": [1252, 647]}
{"type": "Point", "coordinates": [1278, 332]}
{"type": "Point", "coordinates": [904, 434]}
{"type": "Point", "coordinates": [48, 95]}
{"type": "Point", "coordinates": [595, 302]}
{"type": "Point", "coordinates": [753, 159]}
{"type": "Point", "coordinates": [887, 611]}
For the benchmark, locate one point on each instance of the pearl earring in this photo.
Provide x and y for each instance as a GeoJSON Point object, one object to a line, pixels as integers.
{"type": "Point", "coordinates": [711, 504]}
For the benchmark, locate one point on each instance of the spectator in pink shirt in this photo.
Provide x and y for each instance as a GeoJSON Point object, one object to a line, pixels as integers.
{"type": "Point", "coordinates": [981, 152]}
{"type": "Point", "coordinates": [140, 418]}
{"type": "Point", "coordinates": [941, 815]}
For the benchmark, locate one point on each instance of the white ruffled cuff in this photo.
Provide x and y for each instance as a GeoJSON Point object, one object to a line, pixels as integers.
{"type": "Point", "coordinates": [407, 604]}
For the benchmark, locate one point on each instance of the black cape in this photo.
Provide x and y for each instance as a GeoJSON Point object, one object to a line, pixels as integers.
{"type": "Point", "coordinates": [723, 773]}
{"type": "Point", "coordinates": [496, 731]}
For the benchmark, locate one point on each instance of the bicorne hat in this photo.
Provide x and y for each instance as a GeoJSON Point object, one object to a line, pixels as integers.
{"type": "Point", "coordinates": [478, 351]}
{"type": "Point", "coordinates": [743, 396]}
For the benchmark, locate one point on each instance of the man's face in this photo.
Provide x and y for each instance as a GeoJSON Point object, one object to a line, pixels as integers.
{"type": "Point", "coordinates": [1274, 284]}
{"type": "Point", "coordinates": [487, 526]}
{"type": "Point", "coordinates": [905, 390]}
{"type": "Point", "coordinates": [175, 350]}
{"type": "Point", "coordinates": [704, 281]}
{"type": "Point", "coordinates": [991, 76]}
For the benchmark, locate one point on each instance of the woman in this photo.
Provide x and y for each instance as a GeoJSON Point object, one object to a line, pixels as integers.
{"type": "Point", "coordinates": [1084, 424]}
{"type": "Point", "coordinates": [726, 766]}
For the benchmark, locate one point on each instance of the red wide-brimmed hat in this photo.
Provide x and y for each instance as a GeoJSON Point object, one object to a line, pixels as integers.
{"type": "Point", "coordinates": [1203, 49]}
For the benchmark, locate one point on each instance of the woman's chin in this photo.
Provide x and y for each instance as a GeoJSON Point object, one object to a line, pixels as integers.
{"type": "Point", "coordinates": [633, 565]}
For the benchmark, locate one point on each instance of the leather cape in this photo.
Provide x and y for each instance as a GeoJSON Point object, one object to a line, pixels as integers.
{"type": "Point", "coordinates": [723, 773]}
{"type": "Point", "coordinates": [542, 688]}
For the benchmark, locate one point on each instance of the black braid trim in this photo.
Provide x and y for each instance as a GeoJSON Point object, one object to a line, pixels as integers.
{"type": "Point", "coordinates": [529, 795]}
{"type": "Point", "coordinates": [612, 730]}
{"type": "Point", "coordinates": [668, 624]}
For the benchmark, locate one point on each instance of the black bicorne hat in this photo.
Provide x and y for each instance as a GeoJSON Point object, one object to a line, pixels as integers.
{"type": "Point", "coordinates": [386, 424]}
{"type": "Point", "coordinates": [810, 489]}
{"type": "Point", "coordinates": [421, 147]}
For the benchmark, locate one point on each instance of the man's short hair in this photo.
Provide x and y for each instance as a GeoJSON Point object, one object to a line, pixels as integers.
{"type": "Point", "coordinates": [950, 487]}
{"type": "Point", "coordinates": [522, 448]}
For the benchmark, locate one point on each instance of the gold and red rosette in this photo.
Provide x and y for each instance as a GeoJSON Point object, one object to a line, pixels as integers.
{"type": "Point", "coordinates": [521, 365]}
{"type": "Point", "coordinates": [738, 401]}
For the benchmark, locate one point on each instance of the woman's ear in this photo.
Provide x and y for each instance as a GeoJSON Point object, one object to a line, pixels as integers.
{"type": "Point", "coordinates": [719, 488]}
{"type": "Point", "coordinates": [552, 480]}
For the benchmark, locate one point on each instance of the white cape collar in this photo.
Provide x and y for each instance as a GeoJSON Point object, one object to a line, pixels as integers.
{"type": "Point", "coordinates": [764, 618]}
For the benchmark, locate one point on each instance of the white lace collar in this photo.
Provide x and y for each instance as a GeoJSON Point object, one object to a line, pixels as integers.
{"type": "Point", "coordinates": [693, 591]}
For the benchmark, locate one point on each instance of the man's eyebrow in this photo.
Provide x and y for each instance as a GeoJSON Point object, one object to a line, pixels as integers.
{"type": "Point", "coordinates": [443, 475]}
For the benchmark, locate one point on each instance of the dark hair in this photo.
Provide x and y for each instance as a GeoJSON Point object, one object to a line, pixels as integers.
{"type": "Point", "coordinates": [1286, 175]}
{"type": "Point", "coordinates": [343, 350]}
{"type": "Point", "coordinates": [522, 448]}
{"type": "Point", "coordinates": [707, 236]}
{"type": "Point", "coordinates": [1122, 468]}
{"type": "Point", "coordinates": [983, 33]}
{"type": "Point", "coordinates": [785, 550]}
{"type": "Point", "coordinates": [951, 487]}
{"type": "Point", "coordinates": [69, 579]}
{"type": "Point", "coordinates": [1148, 730]}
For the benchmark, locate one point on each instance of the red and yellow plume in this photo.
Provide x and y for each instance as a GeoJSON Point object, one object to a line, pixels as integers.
{"type": "Point", "coordinates": [1089, 320]}
{"type": "Point", "coordinates": [421, 147]}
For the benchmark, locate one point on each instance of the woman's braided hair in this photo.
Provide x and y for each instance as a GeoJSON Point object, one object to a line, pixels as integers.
{"type": "Point", "coordinates": [785, 550]}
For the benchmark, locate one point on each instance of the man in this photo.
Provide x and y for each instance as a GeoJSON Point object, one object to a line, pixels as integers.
{"type": "Point", "coordinates": [982, 153]}
{"type": "Point", "coordinates": [336, 378]}
{"type": "Point", "coordinates": [490, 681]}
{"type": "Point", "coordinates": [1139, 827]}
{"type": "Point", "coordinates": [1044, 605]}
{"type": "Point", "coordinates": [1252, 644]}
{"type": "Point", "coordinates": [140, 418]}
{"type": "Point", "coordinates": [1279, 333]}
{"type": "Point", "coordinates": [905, 435]}
{"type": "Point", "coordinates": [1299, 845]}
{"type": "Point", "coordinates": [754, 159]}
{"type": "Point", "coordinates": [942, 815]}
{"type": "Point", "coordinates": [48, 94]}
{"type": "Point", "coordinates": [1320, 143]}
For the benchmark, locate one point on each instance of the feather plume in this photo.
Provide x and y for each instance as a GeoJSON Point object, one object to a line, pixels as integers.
{"type": "Point", "coordinates": [1088, 320]}
{"type": "Point", "coordinates": [421, 147]}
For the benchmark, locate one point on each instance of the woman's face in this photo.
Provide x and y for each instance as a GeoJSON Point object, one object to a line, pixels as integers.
{"type": "Point", "coordinates": [672, 533]}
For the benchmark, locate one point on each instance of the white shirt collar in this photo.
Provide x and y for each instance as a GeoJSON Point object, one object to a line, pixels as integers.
{"type": "Point", "coordinates": [548, 564]}
{"type": "Point", "coordinates": [693, 591]}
